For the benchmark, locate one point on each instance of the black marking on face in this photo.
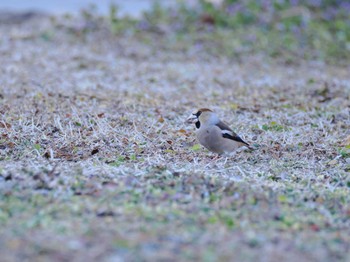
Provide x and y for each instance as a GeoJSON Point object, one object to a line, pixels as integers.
{"type": "Point", "coordinates": [198, 124]}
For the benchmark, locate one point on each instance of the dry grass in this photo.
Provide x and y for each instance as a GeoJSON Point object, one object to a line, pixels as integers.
{"type": "Point", "coordinates": [96, 162]}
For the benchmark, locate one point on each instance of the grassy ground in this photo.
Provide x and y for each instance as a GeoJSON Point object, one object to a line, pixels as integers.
{"type": "Point", "coordinates": [96, 162]}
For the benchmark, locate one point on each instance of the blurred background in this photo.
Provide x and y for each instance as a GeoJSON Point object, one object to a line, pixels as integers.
{"type": "Point", "coordinates": [292, 29]}
{"type": "Point", "coordinates": [133, 8]}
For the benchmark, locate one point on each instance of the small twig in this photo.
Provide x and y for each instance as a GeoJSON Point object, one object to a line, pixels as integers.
{"type": "Point", "coordinates": [52, 170]}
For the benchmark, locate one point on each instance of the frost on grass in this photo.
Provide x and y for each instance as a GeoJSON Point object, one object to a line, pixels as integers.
{"type": "Point", "coordinates": [94, 151]}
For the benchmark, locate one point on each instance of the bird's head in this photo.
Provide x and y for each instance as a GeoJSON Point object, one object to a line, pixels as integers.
{"type": "Point", "coordinates": [202, 116]}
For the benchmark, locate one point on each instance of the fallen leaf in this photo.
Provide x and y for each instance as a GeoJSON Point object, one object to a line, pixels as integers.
{"type": "Point", "coordinates": [314, 227]}
{"type": "Point", "coordinates": [333, 162]}
{"type": "Point", "coordinates": [346, 141]}
{"type": "Point", "coordinates": [5, 125]}
{"type": "Point", "coordinates": [207, 19]}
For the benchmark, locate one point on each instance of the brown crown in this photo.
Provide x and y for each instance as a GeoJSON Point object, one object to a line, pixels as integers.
{"type": "Point", "coordinates": [205, 110]}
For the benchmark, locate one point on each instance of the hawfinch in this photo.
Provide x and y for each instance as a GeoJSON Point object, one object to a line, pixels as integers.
{"type": "Point", "coordinates": [214, 134]}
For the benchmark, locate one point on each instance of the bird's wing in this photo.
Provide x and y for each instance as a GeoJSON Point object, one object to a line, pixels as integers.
{"type": "Point", "coordinates": [228, 133]}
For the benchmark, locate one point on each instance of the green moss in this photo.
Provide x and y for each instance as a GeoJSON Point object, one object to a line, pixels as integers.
{"type": "Point", "coordinates": [273, 126]}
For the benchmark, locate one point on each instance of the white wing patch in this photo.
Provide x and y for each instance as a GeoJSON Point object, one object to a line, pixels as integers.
{"type": "Point", "coordinates": [226, 132]}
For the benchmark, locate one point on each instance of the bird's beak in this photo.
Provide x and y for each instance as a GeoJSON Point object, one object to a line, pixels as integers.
{"type": "Point", "coordinates": [191, 119]}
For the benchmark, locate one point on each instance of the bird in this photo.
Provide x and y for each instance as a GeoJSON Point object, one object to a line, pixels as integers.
{"type": "Point", "coordinates": [214, 134]}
